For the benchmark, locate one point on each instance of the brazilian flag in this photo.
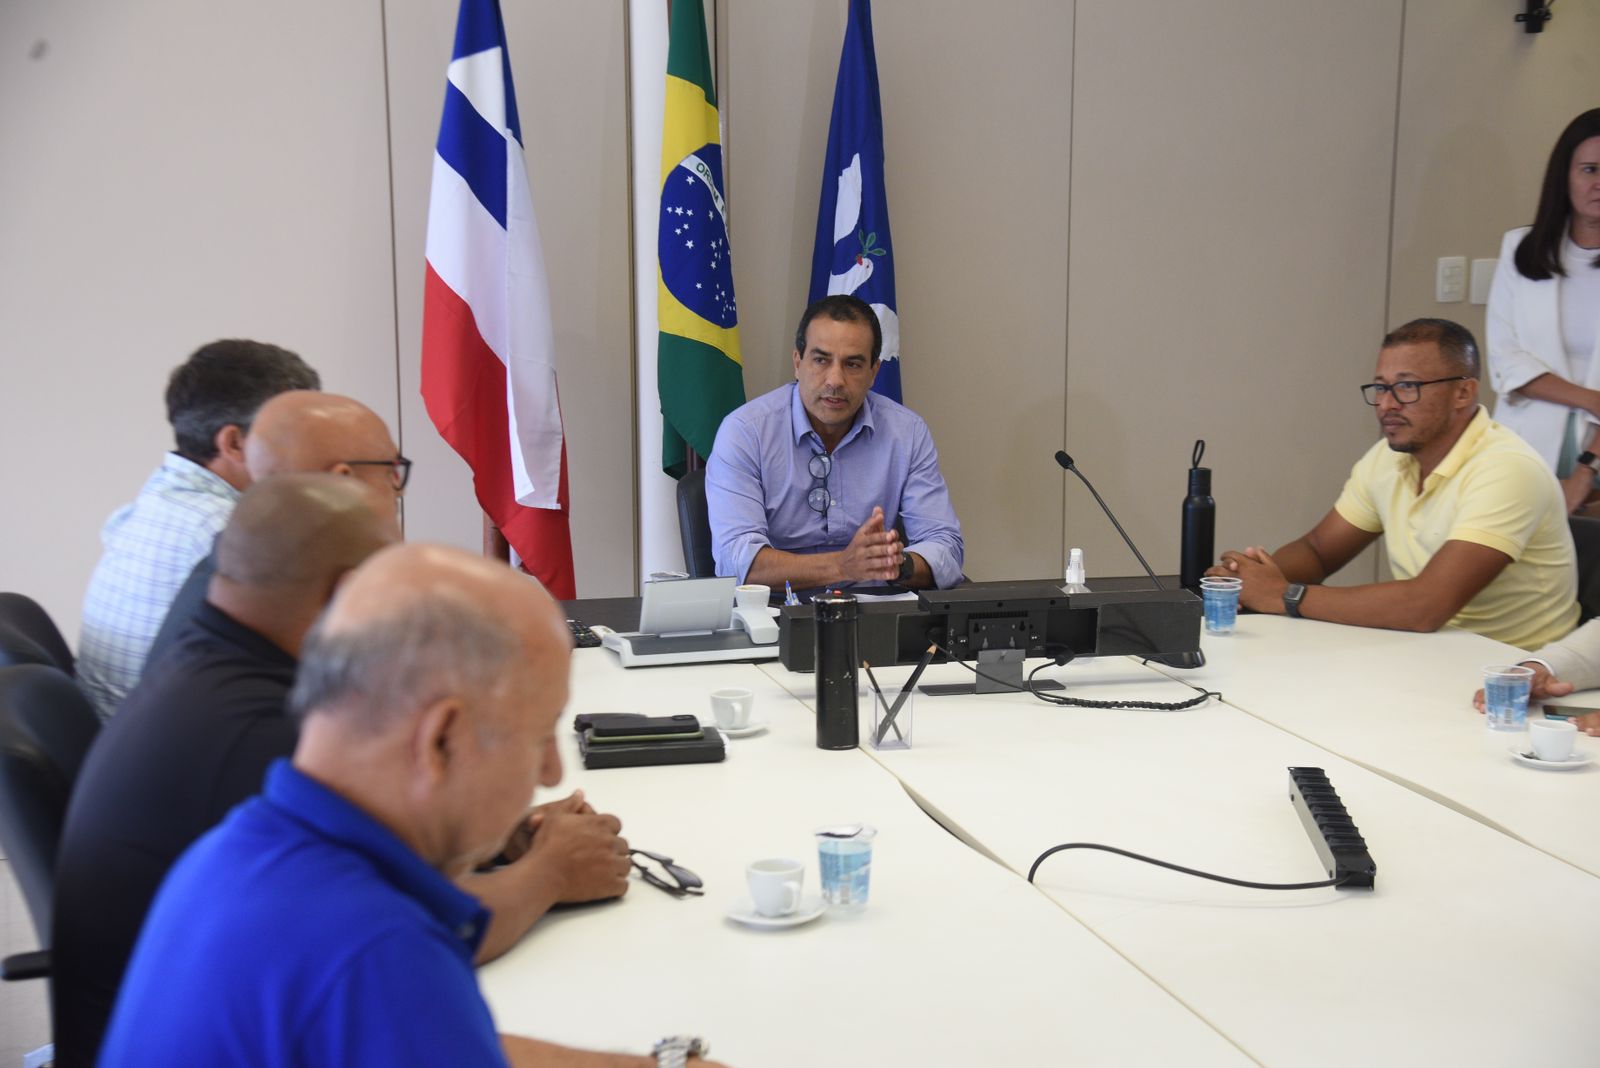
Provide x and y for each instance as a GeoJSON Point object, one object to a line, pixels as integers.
{"type": "Point", "coordinates": [699, 371]}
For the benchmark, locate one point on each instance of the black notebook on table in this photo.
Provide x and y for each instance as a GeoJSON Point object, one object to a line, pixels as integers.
{"type": "Point", "coordinates": [636, 741]}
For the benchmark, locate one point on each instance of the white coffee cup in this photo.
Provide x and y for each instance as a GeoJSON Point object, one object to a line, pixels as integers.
{"type": "Point", "coordinates": [775, 885]}
{"type": "Point", "coordinates": [753, 595]}
{"type": "Point", "coordinates": [1552, 738]}
{"type": "Point", "coordinates": [731, 708]}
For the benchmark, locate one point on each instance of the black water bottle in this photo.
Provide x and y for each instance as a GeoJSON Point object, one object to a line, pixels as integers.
{"type": "Point", "coordinates": [838, 665]}
{"type": "Point", "coordinates": [1199, 524]}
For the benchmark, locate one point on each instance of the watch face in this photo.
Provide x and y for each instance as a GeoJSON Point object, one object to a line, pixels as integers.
{"type": "Point", "coordinates": [682, 1046]}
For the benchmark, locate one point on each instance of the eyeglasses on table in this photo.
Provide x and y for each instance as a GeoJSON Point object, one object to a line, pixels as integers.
{"type": "Point", "coordinates": [664, 873]}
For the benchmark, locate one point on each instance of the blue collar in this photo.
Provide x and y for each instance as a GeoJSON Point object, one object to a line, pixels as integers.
{"type": "Point", "coordinates": [800, 422]}
{"type": "Point", "coordinates": [191, 475]}
{"type": "Point", "coordinates": [331, 817]}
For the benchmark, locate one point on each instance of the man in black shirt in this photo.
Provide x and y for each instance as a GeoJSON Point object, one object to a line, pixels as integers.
{"type": "Point", "coordinates": [195, 736]}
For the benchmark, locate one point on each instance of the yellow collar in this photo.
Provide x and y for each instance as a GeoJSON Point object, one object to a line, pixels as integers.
{"type": "Point", "coordinates": [1464, 447]}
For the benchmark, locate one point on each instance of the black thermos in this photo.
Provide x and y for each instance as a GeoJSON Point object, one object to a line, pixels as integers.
{"type": "Point", "coordinates": [838, 664]}
{"type": "Point", "coordinates": [1199, 524]}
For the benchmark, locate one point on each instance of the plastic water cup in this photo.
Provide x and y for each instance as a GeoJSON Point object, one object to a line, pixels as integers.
{"type": "Point", "coordinates": [844, 855]}
{"type": "Point", "coordinates": [1505, 696]}
{"type": "Point", "coordinates": [1221, 597]}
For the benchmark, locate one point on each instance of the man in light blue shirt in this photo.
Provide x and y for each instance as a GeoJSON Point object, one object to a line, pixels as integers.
{"type": "Point", "coordinates": [806, 484]}
{"type": "Point", "coordinates": [152, 544]}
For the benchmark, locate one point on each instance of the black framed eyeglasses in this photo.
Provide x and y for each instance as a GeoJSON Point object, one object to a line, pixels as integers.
{"type": "Point", "coordinates": [399, 470]}
{"type": "Point", "coordinates": [664, 873]}
{"type": "Point", "coordinates": [821, 463]}
{"type": "Point", "coordinates": [1405, 391]}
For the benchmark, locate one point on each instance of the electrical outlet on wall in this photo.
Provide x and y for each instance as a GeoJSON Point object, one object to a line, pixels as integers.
{"type": "Point", "coordinates": [1482, 279]}
{"type": "Point", "coordinates": [1450, 280]}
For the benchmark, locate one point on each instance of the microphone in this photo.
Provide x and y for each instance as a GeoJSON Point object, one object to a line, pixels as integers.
{"type": "Point", "coordinates": [1066, 462]}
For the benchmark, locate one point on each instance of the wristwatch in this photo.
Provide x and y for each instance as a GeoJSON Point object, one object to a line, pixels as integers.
{"type": "Point", "coordinates": [1292, 596]}
{"type": "Point", "coordinates": [908, 568]}
{"type": "Point", "coordinates": [1588, 459]}
{"type": "Point", "coordinates": [674, 1051]}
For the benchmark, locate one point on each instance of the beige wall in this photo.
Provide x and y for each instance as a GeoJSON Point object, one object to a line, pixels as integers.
{"type": "Point", "coordinates": [1472, 149]}
{"type": "Point", "coordinates": [1121, 226]}
{"type": "Point", "coordinates": [182, 171]}
{"type": "Point", "coordinates": [1230, 189]}
{"type": "Point", "coordinates": [157, 192]}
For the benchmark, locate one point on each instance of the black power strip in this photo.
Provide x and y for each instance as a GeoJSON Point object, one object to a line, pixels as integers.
{"type": "Point", "coordinates": [1333, 833]}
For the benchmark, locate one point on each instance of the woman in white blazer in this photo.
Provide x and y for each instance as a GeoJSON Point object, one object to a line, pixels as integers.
{"type": "Point", "coordinates": [1544, 315]}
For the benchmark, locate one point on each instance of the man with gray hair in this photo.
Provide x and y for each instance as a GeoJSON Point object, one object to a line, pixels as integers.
{"type": "Point", "coordinates": [321, 923]}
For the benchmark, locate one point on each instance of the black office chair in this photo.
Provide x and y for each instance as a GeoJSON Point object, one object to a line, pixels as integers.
{"type": "Point", "coordinates": [27, 636]}
{"type": "Point", "coordinates": [694, 525]}
{"type": "Point", "coordinates": [46, 728]}
{"type": "Point", "coordinates": [1586, 539]}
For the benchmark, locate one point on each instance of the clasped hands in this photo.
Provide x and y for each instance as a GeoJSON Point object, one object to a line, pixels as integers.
{"type": "Point", "coordinates": [874, 554]}
{"type": "Point", "coordinates": [1263, 580]}
{"type": "Point", "coordinates": [579, 850]}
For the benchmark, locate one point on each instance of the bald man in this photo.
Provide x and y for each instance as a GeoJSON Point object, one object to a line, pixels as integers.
{"type": "Point", "coordinates": [321, 924]}
{"type": "Point", "coordinates": [304, 430]}
{"type": "Point", "coordinates": [298, 432]}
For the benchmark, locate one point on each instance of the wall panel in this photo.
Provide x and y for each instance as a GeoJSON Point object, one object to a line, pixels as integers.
{"type": "Point", "coordinates": [1230, 180]}
{"type": "Point", "coordinates": [173, 172]}
{"type": "Point", "coordinates": [1481, 105]}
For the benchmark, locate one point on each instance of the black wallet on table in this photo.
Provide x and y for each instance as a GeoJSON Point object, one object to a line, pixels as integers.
{"type": "Point", "coordinates": [631, 740]}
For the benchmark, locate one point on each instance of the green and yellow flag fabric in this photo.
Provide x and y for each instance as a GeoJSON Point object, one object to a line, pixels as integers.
{"type": "Point", "coordinates": [699, 370]}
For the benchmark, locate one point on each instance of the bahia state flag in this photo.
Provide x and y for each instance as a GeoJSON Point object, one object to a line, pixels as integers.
{"type": "Point", "coordinates": [488, 379]}
{"type": "Point", "coordinates": [854, 253]}
{"type": "Point", "coordinates": [699, 371]}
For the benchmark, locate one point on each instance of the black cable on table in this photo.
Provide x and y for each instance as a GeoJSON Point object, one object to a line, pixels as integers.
{"type": "Point", "coordinates": [1180, 868]}
{"type": "Point", "coordinates": [1079, 702]}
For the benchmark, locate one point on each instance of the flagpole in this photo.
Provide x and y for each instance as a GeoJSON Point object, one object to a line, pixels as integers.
{"type": "Point", "coordinates": [659, 546]}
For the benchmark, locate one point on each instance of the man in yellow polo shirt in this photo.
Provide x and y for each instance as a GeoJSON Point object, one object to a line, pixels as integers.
{"type": "Point", "coordinates": [1473, 520]}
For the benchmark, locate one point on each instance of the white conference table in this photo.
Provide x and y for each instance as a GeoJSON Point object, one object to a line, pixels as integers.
{"type": "Point", "coordinates": [1470, 943]}
{"type": "Point", "coordinates": [1401, 704]}
{"type": "Point", "coordinates": [955, 961]}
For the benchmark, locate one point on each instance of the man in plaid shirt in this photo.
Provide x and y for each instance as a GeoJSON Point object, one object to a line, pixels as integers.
{"type": "Point", "coordinates": [152, 544]}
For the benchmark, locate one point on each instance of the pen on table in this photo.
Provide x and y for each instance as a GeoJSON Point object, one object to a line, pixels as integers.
{"type": "Point", "coordinates": [905, 692]}
{"type": "Point", "coordinates": [788, 594]}
{"type": "Point", "coordinates": [888, 720]}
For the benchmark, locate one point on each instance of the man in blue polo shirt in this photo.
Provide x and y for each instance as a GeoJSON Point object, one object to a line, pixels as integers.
{"type": "Point", "coordinates": [319, 923]}
{"type": "Point", "coordinates": [808, 483]}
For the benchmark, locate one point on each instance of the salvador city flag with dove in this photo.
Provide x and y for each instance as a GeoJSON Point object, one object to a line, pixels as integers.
{"type": "Point", "coordinates": [488, 379]}
{"type": "Point", "coordinates": [699, 372]}
{"type": "Point", "coordinates": [854, 253]}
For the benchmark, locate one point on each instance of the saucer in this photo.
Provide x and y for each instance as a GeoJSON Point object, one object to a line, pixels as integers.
{"type": "Point", "coordinates": [746, 731]}
{"type": "Point", "coordinates": [811, 906]}
{"type": "Point", "coordinates": [1576, 760]}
